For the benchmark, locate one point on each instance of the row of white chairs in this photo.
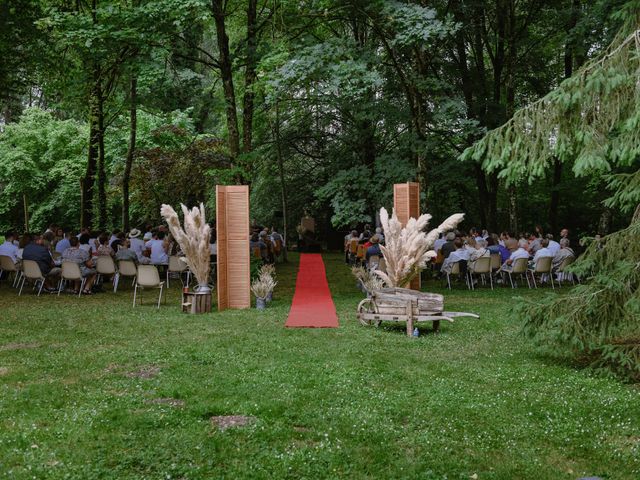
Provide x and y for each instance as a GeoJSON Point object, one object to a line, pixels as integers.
{"type": "Point", "coordinates": [490, 266]}
{"type": "Point", "coordinates": [143, 276]}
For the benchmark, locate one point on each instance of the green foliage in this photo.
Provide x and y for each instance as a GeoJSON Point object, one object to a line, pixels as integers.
{"type": "Point", "coordinates": [600, 317]}
{"type": "Point", "coordinates": [42, 158]}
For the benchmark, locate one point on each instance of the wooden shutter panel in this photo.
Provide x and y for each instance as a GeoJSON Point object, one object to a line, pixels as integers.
{"type": "Point", "coordinates": [406, 202]}
{"type": "Point", "coordinates": [234, 256]}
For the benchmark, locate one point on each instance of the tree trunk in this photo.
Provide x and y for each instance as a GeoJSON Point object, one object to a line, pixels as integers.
{"type": "Point", "coordinates": [101, 177]}
{"type": "Point", "coordinates": [569, 47]}
{"type": "Point", "coordinates": [283, 183]}
{"type": "Point", "coordinates": [249, 77]}
{"type": "Point", "coordinates": [226, 72]}
{"type": "Point", "coordinates": [133, 125]}
{"type": "Point", "coordinates": [92, 157]}
{"type": "Point", "coordinates": [512, 50]}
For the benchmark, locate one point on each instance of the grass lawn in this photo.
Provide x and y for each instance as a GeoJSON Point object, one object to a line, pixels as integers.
{"type": "Point", "coordinates": [92, 388]}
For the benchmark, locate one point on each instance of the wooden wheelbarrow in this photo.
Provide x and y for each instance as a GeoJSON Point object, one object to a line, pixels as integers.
{"type": "Point", "coordinates": [404, 305]}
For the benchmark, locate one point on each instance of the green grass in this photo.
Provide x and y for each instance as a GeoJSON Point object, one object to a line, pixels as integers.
{"type": "Point", "coordinates": [353, 402]}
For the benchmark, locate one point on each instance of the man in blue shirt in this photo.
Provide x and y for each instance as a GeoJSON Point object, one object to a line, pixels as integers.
{"type": "Point", "coordinates": [63, 243]}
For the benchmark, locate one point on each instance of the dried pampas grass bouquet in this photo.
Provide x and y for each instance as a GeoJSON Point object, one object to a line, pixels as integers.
{"type": "Point", "coordinates": [193, 240]}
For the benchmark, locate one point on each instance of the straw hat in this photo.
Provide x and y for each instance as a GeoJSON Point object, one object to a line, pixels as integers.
{"type": "Point", "coordinates": [135, 233]}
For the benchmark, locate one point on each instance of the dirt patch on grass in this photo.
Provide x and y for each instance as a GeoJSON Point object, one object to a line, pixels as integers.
{"type": "Point", "coordinates": [173, 402]}
{"type": "Point", "coordinates": [144, 371]}
{"type": "Point", "coordinates": [18, 346]}
{"type": "Point", "coordinates": [223, 422]}
{"type": "Point", "coordinates": [4, 371]}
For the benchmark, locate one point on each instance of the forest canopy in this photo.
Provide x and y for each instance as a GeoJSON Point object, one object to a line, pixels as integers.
{"type": "Point", "coordinates": [109, 108]}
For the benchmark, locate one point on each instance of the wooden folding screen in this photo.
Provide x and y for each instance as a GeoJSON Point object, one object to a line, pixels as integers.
{"type": "Point", "coordinates": [406, 202]}
{"type": "Point", "coordinates": [234, 255]}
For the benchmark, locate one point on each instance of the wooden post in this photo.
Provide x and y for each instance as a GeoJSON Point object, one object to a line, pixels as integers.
{"type": "Point", "coordinates": [26, 213]}
{"type": "Point", "coordinates": [409, 312]}
{"type": "Point", "coordinates": [406, 202]}
{"type": "Point", "coordinates": [234, 256]}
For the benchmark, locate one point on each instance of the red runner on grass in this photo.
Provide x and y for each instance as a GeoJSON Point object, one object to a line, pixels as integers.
{"type": "Point", "coordinates": [312, 303]}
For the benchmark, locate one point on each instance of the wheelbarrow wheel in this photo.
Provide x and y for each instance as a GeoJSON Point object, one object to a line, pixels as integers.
{"type": "Point", "coordinates": [364, 307]}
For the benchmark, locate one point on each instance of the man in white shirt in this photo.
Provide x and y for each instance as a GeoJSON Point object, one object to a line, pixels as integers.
{"type": "Point", "coordinates": [460, 253]}
{"type": "Point", "coordinates": [517, 251]}
{"type": "Point", "coordinates": [543, 251]}
{"type": "Point", "coordinates": [8, 248]}
{"type": "Point", "coordinates": [554, 246]}
{"type": "Point", "coordinates": [437, 245]}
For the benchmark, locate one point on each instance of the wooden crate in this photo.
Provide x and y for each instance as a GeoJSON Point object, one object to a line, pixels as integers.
{"type": "Point", "coordinates": [193, 302]}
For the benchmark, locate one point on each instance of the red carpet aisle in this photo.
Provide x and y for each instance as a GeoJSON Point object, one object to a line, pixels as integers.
{"type": "Point", "coordinates": [312, 303]}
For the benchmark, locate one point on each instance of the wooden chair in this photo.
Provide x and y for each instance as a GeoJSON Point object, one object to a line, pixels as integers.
{"type": "Point", "coordinates": [148, 277]}
{"type": "Point", "coordinates": [543, 266]}
{"type": "Point", "coordinates": [256, 252]}
{"type": "Point", "coordinates": [482, 267]}
{"type": "Point", "coordinates": [383, 265]}
{"type": "Point", "coordinates": [71, 271]}
{"type": "Point", "coordinates": [31, 271]}
{"type": "Point", "coordinates": [519, 267]}
{"type": "Point", "coordinates": [562, 271]}
{"type": "Point", "coordinates": [126, 268]}
{"type": "Point", "coordinates": [7, 265]}
{"type": "Point", "coordinates": [361, 253]}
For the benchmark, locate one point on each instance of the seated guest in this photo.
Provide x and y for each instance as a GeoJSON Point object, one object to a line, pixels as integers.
{"type": "Point", "coordinates": [459, 254]}
{"type": "Point", "coordinates": [84, 240]}
{"type": "Point", "coordinates": [125, 252]}
{"type": "Point", "coordinates": [448, 246]}
{"type": "Point", "coordinates": [83, 258]}
{"type": "Point", "coordinates": [8, 248]}
{"type": "Point", "coordinates": [440, 241]}
{"type": "Point", "coordinates": [40, 254]}
{"type": "Point", "coordinates": [136, 243]}
{"type": "Point", "coordinates": [564, 253]}
{"type": "Point", "coordinates": [492, 245]}
{"type": "Point", "coordinates": [534, 243]}
{"type": "Point", "coordinates": [554, 246]}
{"type": "Point", "coordinates": [25, 240]}
{"type": "Point", "coordinates": [364, 237]}
{"type": "Point", "coordinates": [63, 243]}
{"type": "Point", "coordinates": [380, 235]}
{"type": "Point", "coordinates": [517, 251]}
{"type": "Point", "coordinates": [374, 248]}
{"type": "Point", "coordinates": [543, 251]}
{"type": "Point", "coordinates": [476, 250]}
{"type": "Point", "coordinates": [104, 248]}
{"type": "Point", "coordinates": [159, 248]}
{"type": "Point", "coordinates": [47, 240]}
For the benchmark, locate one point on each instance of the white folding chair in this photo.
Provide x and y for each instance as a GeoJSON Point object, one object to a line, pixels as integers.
{"type": "Point", "coordinates": [481, 267]}
{"type": "Point", "coordinates": [148, 277]}
{"type": "Point", "coordinates": [126, 268]}
{"type": "Point", "coordinates": [455, 270]}
{"type": "Point", "coordinates": [562, 271]}
{"type": "Point", "coordinates": [177, 265]}
{"type": "Point", "coordinates": [519, 267]}
{"type": "Point", "coordinates": [543, 266]}
{"type": "Point", "coordinates": [105, 266]}
{"type": "Point", "coordinates": [7, 265]}
{"type": "Point", "coordinates": [31, 271]}
{"type": "Point", "coordinates": [71, 272]}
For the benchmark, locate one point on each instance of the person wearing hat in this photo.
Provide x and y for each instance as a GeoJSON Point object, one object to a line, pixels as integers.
{"type": "Point", "coordinates": [136, 244]}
